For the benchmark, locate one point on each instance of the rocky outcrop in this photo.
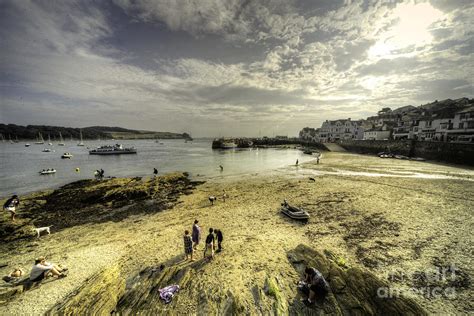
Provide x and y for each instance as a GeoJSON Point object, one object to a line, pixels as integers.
{"type": "Point", "coordinates": [98, 296]}
{"type": "Point", "coordinates": [93, 201]}
{"type": "Point", "coordinates": [353, 290]}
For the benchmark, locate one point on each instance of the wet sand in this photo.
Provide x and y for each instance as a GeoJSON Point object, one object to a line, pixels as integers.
{"type": "Point", "coordinates": [414, 218]}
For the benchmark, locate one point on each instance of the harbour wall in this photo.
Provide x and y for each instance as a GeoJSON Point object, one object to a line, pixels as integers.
{"type": "Point", "coordinates": [439, 151]}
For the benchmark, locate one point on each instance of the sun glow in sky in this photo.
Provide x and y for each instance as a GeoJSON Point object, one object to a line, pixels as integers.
{"type": "Point", "coordinates": [411, 28]}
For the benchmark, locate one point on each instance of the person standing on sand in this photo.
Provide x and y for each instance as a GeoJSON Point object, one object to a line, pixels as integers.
{"type": "Point", "coordinates": [196, 237]}
{"type": "Point", "coordinates": [210, 243]}
{"type": "Point", "coordinates": [155, 172]}
{"type": "Point", "coordinates": [296, 161]}
{"type": "Point", "coordinates": [219, 238]}
{"type": "Point", "coordinates": [188, 245]}
{"type": "Point", "coordinates": [222, 168]}
{"type": "Point", "coordinates": [11, 204]}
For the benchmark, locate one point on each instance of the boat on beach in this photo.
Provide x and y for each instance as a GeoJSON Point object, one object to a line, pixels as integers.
{"type": "Point", "coordinates": [228, 145]}
{"type": "Point", "coordinates": [116, 149]}
{"type": "Point", "coordinates": [47, 171]}
{"type": "Point", "coordinates": [294, 212]}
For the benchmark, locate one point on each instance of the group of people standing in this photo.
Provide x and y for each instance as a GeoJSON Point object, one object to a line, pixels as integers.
{"type": "Point", "coordinates": [192, 241]}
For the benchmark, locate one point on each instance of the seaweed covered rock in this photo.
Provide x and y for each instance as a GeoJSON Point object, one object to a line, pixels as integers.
{"type": "Point", "coordinates": [353, 290]}
{"type": "Point", "coordinates": [98, 296]}
{"type": "Point", "coordinates": [19, 229]}
{"type": "Point", "coordinates": [93, 201]}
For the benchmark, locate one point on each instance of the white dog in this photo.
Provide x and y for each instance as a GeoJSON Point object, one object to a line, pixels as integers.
{"type": "Point", "coordinates": [39, 230]}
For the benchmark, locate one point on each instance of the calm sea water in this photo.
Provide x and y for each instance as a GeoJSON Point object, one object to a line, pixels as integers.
{"type": "Point", "coordinates": [20, 165]}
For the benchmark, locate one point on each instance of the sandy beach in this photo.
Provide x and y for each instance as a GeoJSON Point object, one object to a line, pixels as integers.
{"type": "Point", "coordinates": [387, 216]}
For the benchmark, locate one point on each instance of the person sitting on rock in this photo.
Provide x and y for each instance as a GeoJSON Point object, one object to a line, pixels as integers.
{"type": "Point", "coordinates": [314, 285]}
{"type": "Point", "coordinates": [41, 269]}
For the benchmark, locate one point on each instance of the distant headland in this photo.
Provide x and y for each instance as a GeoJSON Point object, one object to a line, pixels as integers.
{"type": "Point", "coordinates": [15, 132]}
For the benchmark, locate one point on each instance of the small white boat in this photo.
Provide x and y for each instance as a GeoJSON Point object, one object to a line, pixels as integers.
{"type": "Point", "coordinates": [27, 145]}
{"type": "Point", "coordinates": [46, 150]}
{"type": "Point", "coordinates": [67, 156]}
{"type": "Point", "coordinates": [47, 171]}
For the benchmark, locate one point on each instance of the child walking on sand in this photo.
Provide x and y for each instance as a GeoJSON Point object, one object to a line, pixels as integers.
{"type": "Point", "coordinates": [188, 245]}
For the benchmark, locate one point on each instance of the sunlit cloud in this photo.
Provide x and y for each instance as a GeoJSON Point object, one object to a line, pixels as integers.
{"type": "Point", "coordinates": [207, 65]}
{"type": "Point", "coordinates": [411, 29]}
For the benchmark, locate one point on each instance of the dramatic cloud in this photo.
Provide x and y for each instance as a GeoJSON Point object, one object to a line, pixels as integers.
{"type": "Point", "coordinates": [232, 67]}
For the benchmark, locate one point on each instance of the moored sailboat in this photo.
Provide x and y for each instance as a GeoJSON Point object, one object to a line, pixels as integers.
{"type": "Point", "coordinates": [80, 143]}
{"type": "Point", "coordinates": [61, 141]}
{"type": "Point", "coordinates": [39, 140]}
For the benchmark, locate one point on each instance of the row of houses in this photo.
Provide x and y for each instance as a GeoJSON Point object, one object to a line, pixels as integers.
{"type": "Point", "coordinates": [447, 121]}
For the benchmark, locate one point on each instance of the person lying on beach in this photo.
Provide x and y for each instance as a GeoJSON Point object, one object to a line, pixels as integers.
{"type": "Point", "coordinates": [16, 273]}
{"type": "Point", "coordinates": [313, 284]}
{"type": "Point", "coordinates": [188, 245]}
{"type": "Point", "coordinates": [41, 269]}
{"type": "Point", "coordinates": [14, 276]}
{"type": "Point", "coordinates": [210, 240]}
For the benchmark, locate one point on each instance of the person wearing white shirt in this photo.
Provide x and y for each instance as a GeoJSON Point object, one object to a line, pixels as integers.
{"type": "Point", "coordinates": [41, 268]}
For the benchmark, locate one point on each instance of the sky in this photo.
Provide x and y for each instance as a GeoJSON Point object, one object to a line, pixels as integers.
{"type": "Point", "coordinates": [229, 67]}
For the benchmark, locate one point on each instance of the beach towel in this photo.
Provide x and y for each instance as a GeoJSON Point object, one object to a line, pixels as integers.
{"type": "Point", "coordinates": [167, 293]}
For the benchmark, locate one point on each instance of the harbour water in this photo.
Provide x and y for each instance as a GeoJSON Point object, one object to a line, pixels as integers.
{"type": "Point", "coordinates": [20, 165]}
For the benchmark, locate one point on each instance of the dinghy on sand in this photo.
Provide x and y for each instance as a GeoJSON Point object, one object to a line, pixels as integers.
{"type": "Point", "coordinates": [294, 212]}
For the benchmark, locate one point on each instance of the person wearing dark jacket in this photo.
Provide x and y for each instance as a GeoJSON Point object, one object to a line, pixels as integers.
{"type": "Point", "coordinates": [314, 284]}
{"type": "Point", "coordinates": [220, 238]}
{"type": "Point", "coordinates": [210, 244]}
{"type": "Point", "coordinates": [11, 205]}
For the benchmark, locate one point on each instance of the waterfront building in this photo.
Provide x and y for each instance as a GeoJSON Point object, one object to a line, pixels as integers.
{"type": "Point", "coordinates": [378, 133]}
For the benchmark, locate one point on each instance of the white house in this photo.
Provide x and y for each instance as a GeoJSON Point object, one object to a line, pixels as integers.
{"type": "Point", "coordinates": [377, 133]}
{"type": "Point", "coordinates": [462, 126]}
{"type": "Point", "coordinates": [344, 129]}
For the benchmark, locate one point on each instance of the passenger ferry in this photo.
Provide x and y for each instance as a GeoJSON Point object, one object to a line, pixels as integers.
{"type": "Point", "coordinates": [112, 150]}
